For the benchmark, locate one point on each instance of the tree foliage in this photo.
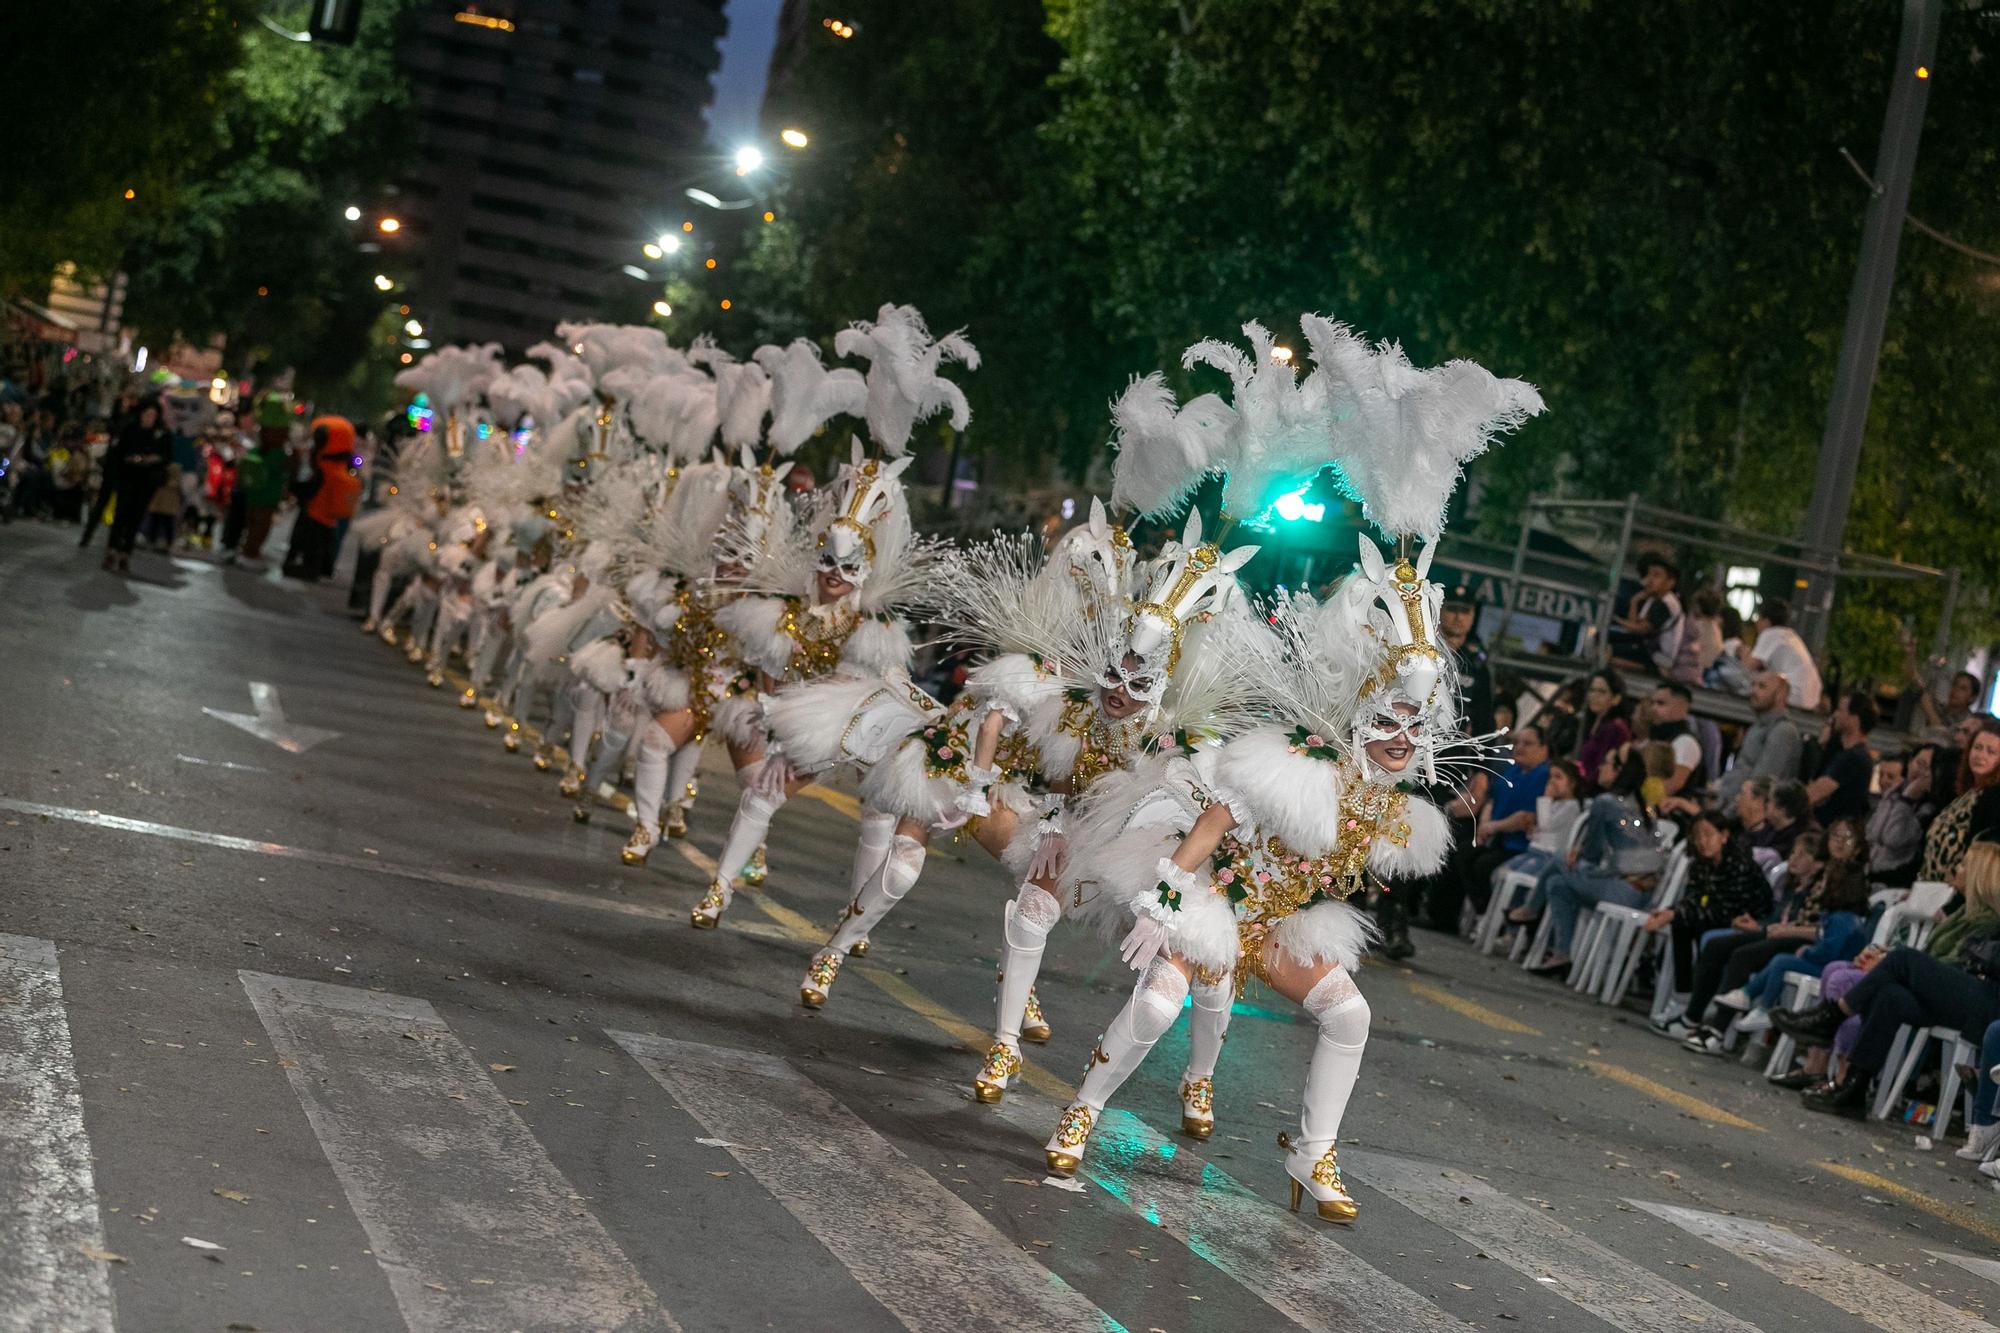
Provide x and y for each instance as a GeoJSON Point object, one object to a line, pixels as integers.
{"type": "Point", "coordinates": [254, 244]}
{"type": "Point", "coordinates": [1643, 209]}
{"type": "Point", "coordinates": [102, 97]}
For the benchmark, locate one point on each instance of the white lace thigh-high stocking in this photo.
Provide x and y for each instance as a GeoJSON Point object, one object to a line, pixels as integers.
{"type": "Point", "coordinates": [1024, 933]}
{"type": "Point", "coordinates": [1155, 1004]}
{"type": "Point", "coordinates": [378, 596]}
{"type": "Point", "coordinates": [655, 752]}
{"type": "Point", "coordinates": [1208, 1024]}
{"type": "Point", "coordinates": [754, 812]}
{"type": "Point", "coordinates": [681, 787]}
{"type": "Point", "coordinates": [895, 875]}
{"type": "Point", "coordinates": [1336, 1004]}
{"type": "Point", "coordinates": [871, 848]}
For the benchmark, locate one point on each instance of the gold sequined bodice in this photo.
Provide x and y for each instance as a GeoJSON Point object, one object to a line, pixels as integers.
{"type": "Point", "coordinates": [1102, 744]}
{"type": "Point", "coordinates": [818, 641]}
{"type": "Point", "coordinates": [1267, 881]}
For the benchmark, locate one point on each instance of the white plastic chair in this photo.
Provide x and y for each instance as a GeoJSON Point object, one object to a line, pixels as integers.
{"type": "Point", "coordinates": [1506, 885]}
{"type": "Point", "coordinates": [1801, 992]}
{"type": "Point", "coordinates": [1609, 933]}
{"type": "Point", "coordinates": [1623, 949]}
{"type": "Point", "coordinates": [1916, 913]}
{"type": "Point", "coordinates": [1906, 1053]}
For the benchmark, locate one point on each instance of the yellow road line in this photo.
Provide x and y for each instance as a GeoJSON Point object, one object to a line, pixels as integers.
{"type": "Point", "coordinates": [1944, 1212]}
{"type": "Point", "coordinates": [1694, 1106]}
{"type": "Point", "coordinates": [918, 1003]}
{"type": "Point", "coordinates": [1471, 1009]}
{"type": "Point", "coordinates": [839, 800]}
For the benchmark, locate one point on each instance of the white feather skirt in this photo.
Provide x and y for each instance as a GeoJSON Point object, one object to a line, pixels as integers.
{"type": "Point", "coordinates": [1106, 877]}
{"type": "Point", "coordinates": [901, 784]}
{"type": "Point", "coordinates": [739, 720]}
{"type": "Point", "coordinates": [1327, 932]}
{"type": "Point", "coordinates": [601, 666]}
{"type": "Point", "coordinates": [662, 688]}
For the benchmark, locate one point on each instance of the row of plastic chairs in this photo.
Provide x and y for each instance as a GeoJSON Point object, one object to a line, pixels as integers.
{"type": "Point", "coordinates": [1907, 920]}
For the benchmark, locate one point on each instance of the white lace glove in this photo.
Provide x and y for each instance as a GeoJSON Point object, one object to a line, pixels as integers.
{"type": "Point", "coordinates": [1051, 857]}
{"type": "Point", "coordinates": [956, 818]}
{"type": "Point", "coordinates": [776, 774]}
{"type": "Point", "coordinates": [1144, 942]}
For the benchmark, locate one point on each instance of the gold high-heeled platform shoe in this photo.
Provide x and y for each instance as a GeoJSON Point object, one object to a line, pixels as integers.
{"type": "Point", "coordinates": [819, 977]}
{"type": "Point", "coordinates": [1034, 1027]}
{"type": "Point", "coordinates": [1064, 1150]}
{"type": "Point", "coordinates": [1341, 1208]}
{"type": "Point", "coordinates": [1198, 1107]}
{"type": "Point", "coordinates": [1002, 1067]}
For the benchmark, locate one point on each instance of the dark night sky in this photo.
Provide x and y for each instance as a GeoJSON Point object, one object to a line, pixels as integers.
{"type": "Point", "coordinates": [746, 57]}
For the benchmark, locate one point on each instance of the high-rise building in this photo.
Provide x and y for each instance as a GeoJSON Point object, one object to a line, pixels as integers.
{"type": "Point", "coordinates": [556, 137]}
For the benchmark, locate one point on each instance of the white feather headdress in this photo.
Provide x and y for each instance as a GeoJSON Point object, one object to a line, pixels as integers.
{"type": "Point", "coordinates": [1405, 434]}
{"type": "Point", "coordinates": [452, 377]}
{"type": "Point", "coordinates": [904, 386]}
{"type": "Point", "coordinates": [805, 395]}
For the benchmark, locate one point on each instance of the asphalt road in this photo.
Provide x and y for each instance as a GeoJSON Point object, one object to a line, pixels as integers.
{"type": "Point", "coordinates": [410, 1046]}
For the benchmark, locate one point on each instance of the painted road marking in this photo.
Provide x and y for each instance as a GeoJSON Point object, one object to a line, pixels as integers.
{"type": "Point", "coordinates": [1986, 1268]}
{"type": "Point", "coordinates": [471, 1223]}
{"type": "Point", "coordinates": [1533, 1243]}
{"type": "Point", "coordinates": [269, 723]}
{"type": "Point", "coordinates": [1963, 1218]}
{"type": "Point", "coordinates": [1302, 1272]}
{"type": "Point", "coordinates": [1471, 1009]}
{"type": "Point", "coordinates": [49, 1225]}
{"type": "Point", "coordinates": [1867, 1293]}
{"type": "Point", "coordinates": [1694, 1106]}
{"type": "Point", "coordinates": [923, 1252]}
{"type": "Point", "coordinates": [374, 865]}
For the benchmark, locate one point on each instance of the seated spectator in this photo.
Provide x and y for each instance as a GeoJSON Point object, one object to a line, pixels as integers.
{"type": "Point", "coordinates": [1701, 644]}
{"type": "Point", "coordinates": [1840, 791]}
{"type": "Point", "coordinates": [1616, 858]}
{"type": "Point", "coordinates": [1973, 813]}
{"type": "Point", "coordinates": [1902, 812]}
{"type": "Point", "coordinates": [1779, 648]}
{"type": "Point", "coordinates": [1772, 743]}
{"type": "Point", "coordinates": [1560, 719]}
{"type": "Point", "coordinates": [1825, 920]}
{"type": "Point", "coordinates": [1667, 712]}
{"type": "Point", "coordinates": [1724, 885]}
{"type": "Point", "coordinates": [1507, 820]}
{"type": "Point", "coordinates": [1606, 724]}
{"type": "Point", "coordinates": [1982, 1132]}
{"type": "Point", "coordinates": [1754, 808]}
{"type": "Point", "coordinates": [1556, 814]}
{"type": "Point", "coordinates": [1648, 636]}
{"type": "Point", "coordinates": [1925, 987]}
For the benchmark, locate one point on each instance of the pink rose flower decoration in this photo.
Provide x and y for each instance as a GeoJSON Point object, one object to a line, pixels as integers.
{"type": "Point", "coordinates": [944, 752]}
{"type": "Point", "coordinates": [1314, 741]}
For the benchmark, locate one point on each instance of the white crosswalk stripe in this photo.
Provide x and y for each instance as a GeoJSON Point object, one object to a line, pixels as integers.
{"type": "Point", "coordinates": [471, 1223]}
{"type": "Point", "coordinates": [1534, 1244]}
{"type": "Point", "coordinates": [1986, 1268]}
{"type": "Point", "coordinates": [1861, 1290]}
{"type": "Point", "coordinates": [1302, 1272]}
{"type": "Point", "coordinates": [48, 1201]}
{"type": "Point", "coordinates": [923, 1252]}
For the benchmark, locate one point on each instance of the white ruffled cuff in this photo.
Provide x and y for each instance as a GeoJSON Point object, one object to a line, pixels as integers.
{"type": "Point", "coordinates": [972, 801]}
{"type": "Point", "coordinates": [1239, 808]}
{"type": "Point", "coordinates": [1173, 880]}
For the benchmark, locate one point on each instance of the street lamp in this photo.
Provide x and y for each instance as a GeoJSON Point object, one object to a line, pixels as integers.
{"type": "Point", "coordinates": [352, 214]}
{"type": "Point", "coordinates": [669, 243]}
{"type": "Point", "coordinates": [748, 159]}
{"type": "Point", "coordinates": [662, 309]}
{"type": "Point", "coordinates": [413, 328]}
{"type": "Point", "coordinates": [652, 251]}
{"type": "Point", "coordinates": [389, 226]}
{"type": "Point", "coordinates": [383, 282]}
{"type": "Point", "coordinates": [794, 138]}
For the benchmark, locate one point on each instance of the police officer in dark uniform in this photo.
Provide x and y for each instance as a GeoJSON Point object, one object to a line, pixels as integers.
{"type": "Point", "coordinates": [1434, 900]}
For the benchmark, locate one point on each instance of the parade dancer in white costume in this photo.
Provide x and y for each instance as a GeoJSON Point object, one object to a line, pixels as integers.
{"type": "Point", "coordinates": [865, 554]}
{"type": "Point", "coordinates": [1302, 812]}
{"type": "Point", "coordinates": [1106, 692]}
